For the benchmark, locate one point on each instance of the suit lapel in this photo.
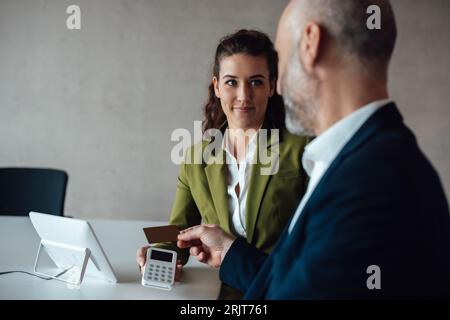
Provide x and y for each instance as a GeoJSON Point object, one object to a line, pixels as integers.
{"type": "Point", "coordinates": [216, 174]}
{"type": "Point", "coordinates": [257, 187]}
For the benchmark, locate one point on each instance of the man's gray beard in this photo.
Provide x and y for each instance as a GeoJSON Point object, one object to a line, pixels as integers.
{"type": "Point", "coordinates": [293, 123]}
{"type": "Point", "coordinates": [299, 109]}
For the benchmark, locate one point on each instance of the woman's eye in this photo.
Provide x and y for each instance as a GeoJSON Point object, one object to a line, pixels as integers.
{"type": "Point", "coordinates": [231, 83]}
{"type": "Point", "coordinates": [256, 82]}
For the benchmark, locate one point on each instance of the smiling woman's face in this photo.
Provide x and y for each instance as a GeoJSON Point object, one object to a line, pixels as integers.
{"type": "Point", "coordinates": [244, 89]}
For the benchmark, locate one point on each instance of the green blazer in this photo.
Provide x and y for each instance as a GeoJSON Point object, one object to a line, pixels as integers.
{"type": "Point", "coordinates": [201, 194]}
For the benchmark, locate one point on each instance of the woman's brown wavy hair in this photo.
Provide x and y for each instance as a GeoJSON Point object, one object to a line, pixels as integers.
{"type": "Point", "coordinates": [254, 43]}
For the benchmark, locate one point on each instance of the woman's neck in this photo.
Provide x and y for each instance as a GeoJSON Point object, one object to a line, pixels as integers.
{"type": "Point", "coordinates": [238, 140]}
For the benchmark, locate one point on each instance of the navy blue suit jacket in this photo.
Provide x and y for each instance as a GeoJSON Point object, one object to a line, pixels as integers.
{"type": "Point", "coordinates": [379, 203]}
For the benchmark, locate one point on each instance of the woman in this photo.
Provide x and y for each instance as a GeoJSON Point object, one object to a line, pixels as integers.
{"type": "Point", "coordinates": [235, 194]}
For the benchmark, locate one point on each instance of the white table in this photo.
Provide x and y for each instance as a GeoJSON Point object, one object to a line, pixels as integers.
{"type": "Point", "coordinates": [120, 240]}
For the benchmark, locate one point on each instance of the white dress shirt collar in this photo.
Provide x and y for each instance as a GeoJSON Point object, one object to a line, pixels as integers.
{"type": "Point", "coordinates": [326, 146]}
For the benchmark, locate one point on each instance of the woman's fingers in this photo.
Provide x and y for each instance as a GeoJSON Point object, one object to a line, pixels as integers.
{"type": "Point", "coordinates": [178, 270]}
{"type": "Point", "coordinates": [141, 256]}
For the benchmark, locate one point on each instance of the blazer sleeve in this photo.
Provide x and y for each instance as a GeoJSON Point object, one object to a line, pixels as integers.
{"type": "Point", "coordinates": [241, 264]}
{"type": "Point", "coordinates": [184, 212]}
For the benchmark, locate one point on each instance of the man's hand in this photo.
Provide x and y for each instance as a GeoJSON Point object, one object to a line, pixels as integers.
{"type": "Point", "coordinates": [209, 243]}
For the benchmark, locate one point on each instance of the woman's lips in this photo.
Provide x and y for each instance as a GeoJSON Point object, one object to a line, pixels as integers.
{"type": "Point", "coordinates": [243, 109]}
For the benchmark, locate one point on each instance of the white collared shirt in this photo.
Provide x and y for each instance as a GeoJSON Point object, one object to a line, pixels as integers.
{"type": "Point", "coordinates": [238, 175]}
{"type": "Point", "coordinates": [322, 151]}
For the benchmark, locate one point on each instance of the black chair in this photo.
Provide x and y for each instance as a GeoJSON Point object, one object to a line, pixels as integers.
{"type": "Point", "coordinates": [32, 189]}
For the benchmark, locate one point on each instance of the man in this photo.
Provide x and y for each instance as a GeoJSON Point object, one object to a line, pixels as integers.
{"type": "Point", "coordinates": [374, 222]}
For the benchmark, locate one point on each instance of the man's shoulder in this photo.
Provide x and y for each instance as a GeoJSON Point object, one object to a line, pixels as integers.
{"type": "Point", "coordinates": [392, 146]}
{"type": "Point", "coordinates": [388, 160]}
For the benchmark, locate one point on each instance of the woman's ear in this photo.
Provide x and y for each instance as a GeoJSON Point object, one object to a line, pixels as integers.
{"type": "Point", "coordinates": [216, 86]}
{"type": "Point", "coordinates": [273, 86]}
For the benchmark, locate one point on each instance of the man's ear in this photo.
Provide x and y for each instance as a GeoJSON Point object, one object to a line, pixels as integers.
{"type": "Point", "coordinates": [310, 45]}
{"type": "Point", "coordinates": [215, 83]}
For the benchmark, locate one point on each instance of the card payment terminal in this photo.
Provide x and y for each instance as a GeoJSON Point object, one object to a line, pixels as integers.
{"type": "Point", "coordinates": [159, 271]}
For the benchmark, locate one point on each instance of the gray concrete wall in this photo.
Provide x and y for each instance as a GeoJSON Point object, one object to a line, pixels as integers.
{"type": "Point", "coordinates": [420, 77]}
{"type": "Point", "coordinates": [102, 102]}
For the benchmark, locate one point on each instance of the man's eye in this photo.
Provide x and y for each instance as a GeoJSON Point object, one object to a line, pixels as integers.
{"type": "Point", "coordinates": [231, 83]}
{"type": "Point", "coordinates": [256, 82]}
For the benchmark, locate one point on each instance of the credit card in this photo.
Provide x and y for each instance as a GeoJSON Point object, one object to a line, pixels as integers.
{"type": "Point", "coordinates": [161, 234]}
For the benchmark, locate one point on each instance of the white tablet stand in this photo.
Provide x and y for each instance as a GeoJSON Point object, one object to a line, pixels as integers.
{"type": "Point", "coordinates": [69, 244]}
{"type": "Point", "coordinates": [70, 260]}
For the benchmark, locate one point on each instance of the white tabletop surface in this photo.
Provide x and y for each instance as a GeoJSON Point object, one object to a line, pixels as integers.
{"type": "Point", "coordinates": [120, 239]}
